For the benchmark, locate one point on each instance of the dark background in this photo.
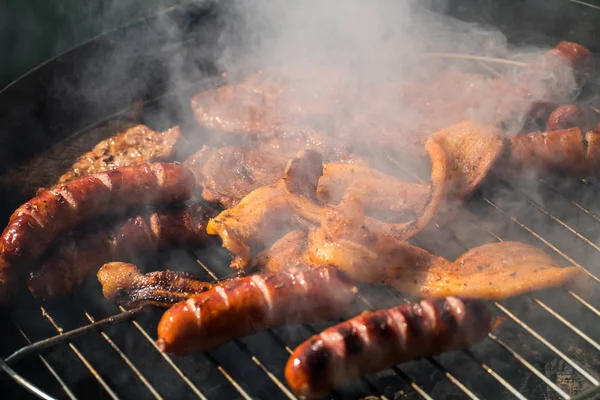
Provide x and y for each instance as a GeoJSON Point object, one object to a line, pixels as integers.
{"type": "Point", "coordinates": [33, 31]}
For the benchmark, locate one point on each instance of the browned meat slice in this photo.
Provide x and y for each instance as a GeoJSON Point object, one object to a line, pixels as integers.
{"type": "Point", "coordinates": [255, 222]}
{"type": "Point", "coordinates": [471, 150]}
{"type": "Point", "coordinates": [301, 181]}
{"type": "Point", "coordinates": [270, 97]}
{"type": "Point", "coordinates": [283, 255]}
{"type": "Point", "coordinates": [137, 145]}
{"type": "Point", "coordinates": [375, 189]}
{"type": "Point", "coordinates": [344, 241]}
{"type": "Point", "coordinates": [123, 284]}
{"type": "Point", "coordinates": [228, 174]}
{"type": "Point", "coordinates": [493, 272]}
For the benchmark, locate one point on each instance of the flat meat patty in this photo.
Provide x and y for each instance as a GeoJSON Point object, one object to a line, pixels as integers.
{"type": "Point", "coordinates": [136, 145]}
{"type": "Point", "coordinates": [229, 173]}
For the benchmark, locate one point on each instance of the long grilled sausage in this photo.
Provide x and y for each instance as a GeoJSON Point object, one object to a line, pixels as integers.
{"type": "Point", "coordinates": [81, 253]}
{"type": "Point", "coordinates": [377, 340]}
{"type": "Point", "coordinates": [35, 224]}
{"type": "Point", "coordinates": [564, 151]}
{"type": "Point", "coordinates": [246, 305]}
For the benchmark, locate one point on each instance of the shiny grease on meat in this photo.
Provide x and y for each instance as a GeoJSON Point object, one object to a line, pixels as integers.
{"type": "Point", "coordinates": [381, 339]}
{"type": "Point", "coordinates": [123, 284]}
{"type": "Point", "coordinates": [80, 253]}
{"type": "Point", "coordinates": [246, 305]}
{"type": "Point", "coordinates": [35, 225]}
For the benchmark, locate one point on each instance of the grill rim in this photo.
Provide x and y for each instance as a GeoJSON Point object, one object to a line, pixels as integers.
{"type": "Point", "coordinates": [403, 376]}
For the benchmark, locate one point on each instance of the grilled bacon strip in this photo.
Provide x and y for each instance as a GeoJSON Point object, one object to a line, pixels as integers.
{"type": "Point", "coordinates": [246, 305]}
{"type": "Point", "coordinates": [35, 225]}
{"type": "Point", "coordinates": [123, 284]}
{"type": "Point", "coordinates": [377, 340]}
{"type": "Point", "coordinates": [301, 182]}
{"type": "Point", "coordinates": [81, 253]}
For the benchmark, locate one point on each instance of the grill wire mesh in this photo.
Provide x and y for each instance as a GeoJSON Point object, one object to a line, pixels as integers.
{"type": "Point", "coordinates": [547, 348]}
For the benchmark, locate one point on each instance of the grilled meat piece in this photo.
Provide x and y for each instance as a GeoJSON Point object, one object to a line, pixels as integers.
{"type": "Point", "coordinates": [493, 271]}
{"type": "Point", "coordinates": [344, 241]}
{"type": "Point", "coordinates": [567, 116]}
{"type": "Point", "coordinates": [82, 252]}
{"type": "Point", "coordinates": [246, 305]}
{"type": "Point", "coordinates": [284, 254]}
{"type": "Point", "coordinates": [123, 284]}
{"type": "Point", "coordinates": [228, 174]}
{"type": "Point", "coordinates": [471, 150]}
{"type": "Point", "coordinates": [258, 219]}
{"type": "Point", "coordinates": [35, 225]}
{"type": "Point", "coordinates": [381, 339]}
{"type": "Point", "coordinates": [301, 182]}
{"type": "Point", "coordinates": [375, 189]}
{"type": "Point", "coordinates": [561, 151]}
{"type": "Point", "coordinates": [271, 97]}
{"type": "Point", "coordinates": [137, 145]}
{"type": "Point", "coordinates": [42, 171]}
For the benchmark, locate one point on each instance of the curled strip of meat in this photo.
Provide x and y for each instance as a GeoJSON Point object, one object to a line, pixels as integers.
{"type": "Point", "coordinates": [377, 340]}
{"type": "Point", "coordinates": [246, 305]}
{"type": "Point", "coordinates": [34, 225]}
{"type": "Point", "coordinates": [259, 218]}
{"type": "Point", "coordinates": [375, 189]}
{"type": "Point", "coordinates": [301, 182]}
{"type": "Point", "coordinates": [80, 254]}
{"type": "Point", "coordinates": [123, 284]}
{"type": "Point", "coordinates": [471, 150]}
{"type": "Point", "coordinates": [493, 272]}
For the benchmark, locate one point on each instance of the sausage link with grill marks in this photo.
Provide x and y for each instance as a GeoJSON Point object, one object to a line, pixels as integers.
{"type": "Point", "coordinates": [377, 340]}
{"type": "Point", "coordinates": [250, 304]}
{"type": "Point", "coordinates": [81, 253]}
{"type": "Point", "coordinates": [564, 151]}
{"type": "Point", "coordinates": [35, 225]}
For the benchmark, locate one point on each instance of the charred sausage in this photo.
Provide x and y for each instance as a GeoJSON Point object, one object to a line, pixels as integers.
{"type": "Point", "coordinates": [378, 340]}
{"type": "Point", "coordinates": [564, 151]}
{"type": "Point", "coordinates": [34, 225]}
{"type": "Point", "coordinates": [246, 305]}
{"type": "Point", "coordinates": [565, 117]}
{"type": "Point", "coordinates": [81, 253]}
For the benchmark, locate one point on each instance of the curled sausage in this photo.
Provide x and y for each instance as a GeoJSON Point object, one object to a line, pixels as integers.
{"type": "Point", "coordinates": [246, 305]}
{"type": "Point", "coordinates": [377, 340]}
{"type": "Point", "coordinates": [81, 253]}
{"type": "Point", "coordinates": [35, 224]}
{"type": "Point", "coordinates": [565, 117]}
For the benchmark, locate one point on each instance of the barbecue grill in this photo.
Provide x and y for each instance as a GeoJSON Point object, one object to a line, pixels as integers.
{"type": "Point", "coordinates": [84, 347]}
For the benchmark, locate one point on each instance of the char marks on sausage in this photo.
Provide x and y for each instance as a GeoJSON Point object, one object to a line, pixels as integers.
{"type": "Point", "coordinates": [377, 340]}
{"type": "Point", "coordinates": [34, 225]}
{"type": "Point", "coordinates": [246, 305]}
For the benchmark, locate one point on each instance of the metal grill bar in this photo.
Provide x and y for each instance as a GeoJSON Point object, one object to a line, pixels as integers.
{"type": "Point", "coordinates": [269, 331]}
{"type": "Point", "coordinates": [568, 324]}
{"type": "Point", "coordinates": [127, 361]}
{"type": "Point", "coordinates": [168, 359]}
{"type": "Point", "coordinates": [62, 384]}
{"type": "Point", "coordinates": [87, 364]}
{"type": "Point", "coordinates": [528, 365]}
{"type": "Point", "coordinates": [539, 337]}
{"type": "Point", "coordinates": [530, 330]}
